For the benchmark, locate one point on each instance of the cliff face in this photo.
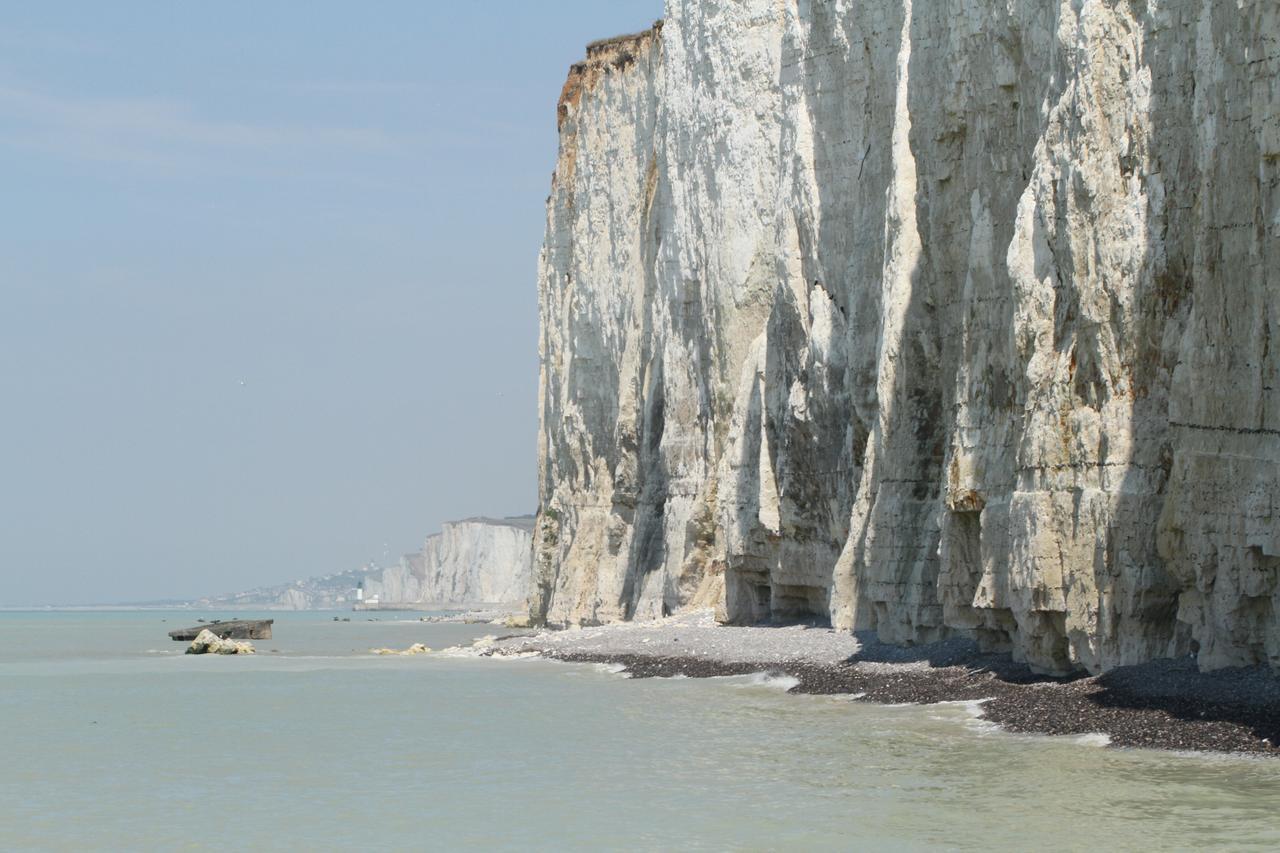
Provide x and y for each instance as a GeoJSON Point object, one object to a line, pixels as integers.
{"type": "Point", "coordinates": [477, 561]}
{"type": "Point", "coordinates": [927, 318]}
{"type": "Point", "coordinates": [472, 562]}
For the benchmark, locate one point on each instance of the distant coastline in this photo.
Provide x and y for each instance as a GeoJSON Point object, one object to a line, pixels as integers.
{"type": "Point", "coordinates": [473, 563]}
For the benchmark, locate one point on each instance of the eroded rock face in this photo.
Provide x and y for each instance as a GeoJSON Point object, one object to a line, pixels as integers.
{"type": "Point", "coordinates": [925, 318]}
{"type": "Point", "coordinates": [471, 562]}
{"type": "Point", "coordinates": [209, 643]}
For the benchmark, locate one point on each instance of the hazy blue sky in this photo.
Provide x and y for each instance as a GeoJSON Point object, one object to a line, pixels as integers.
{"type": "Point", "coordinates": [268, 281]}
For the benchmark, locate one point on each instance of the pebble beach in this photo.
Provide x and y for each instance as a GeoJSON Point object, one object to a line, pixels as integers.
{"type": "Point", "coordinates": [1162, 705]}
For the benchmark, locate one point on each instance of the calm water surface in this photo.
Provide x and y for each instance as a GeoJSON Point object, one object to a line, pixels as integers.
{"type": "Point", "coordinates": [112, 739]}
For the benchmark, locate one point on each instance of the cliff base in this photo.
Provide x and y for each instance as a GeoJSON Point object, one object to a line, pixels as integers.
{"type": "Point", "coordinates": [1167, 704]}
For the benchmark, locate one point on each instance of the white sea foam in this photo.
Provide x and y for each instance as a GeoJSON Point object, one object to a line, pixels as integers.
{"type": "Point", "coordinates": [972, 707]}
{"type": "Point", "coordinates": [611, 668]}
{"type": "Point", "coordinates": [772, 680]}
{"type": "Point", "coordinates": [973, 715]}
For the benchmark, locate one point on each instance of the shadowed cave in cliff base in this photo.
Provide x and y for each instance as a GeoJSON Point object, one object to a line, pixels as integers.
{"type": "Point", "coordinates": [807, 604]}
{"type": "Point", "coordinates": [753, 598]}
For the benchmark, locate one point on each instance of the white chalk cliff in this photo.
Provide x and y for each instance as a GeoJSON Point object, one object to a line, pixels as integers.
{"type": "Point", "coordinates": [930, 318]}
{"type": "Point", "coordinates": [471, 562]}
{"type": "Point", "coordinates": [478, 561]}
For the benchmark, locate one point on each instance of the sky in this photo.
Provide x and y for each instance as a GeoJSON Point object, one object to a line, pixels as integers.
{"type": "Point", "coordinates": [268, 282]}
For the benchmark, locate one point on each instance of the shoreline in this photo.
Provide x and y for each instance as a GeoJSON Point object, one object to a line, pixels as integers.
{"type": "Point", "coordinates": [1166, 704]}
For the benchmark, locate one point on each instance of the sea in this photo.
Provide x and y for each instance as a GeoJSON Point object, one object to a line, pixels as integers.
{"type": "Point", "coordinates": [113, 739]}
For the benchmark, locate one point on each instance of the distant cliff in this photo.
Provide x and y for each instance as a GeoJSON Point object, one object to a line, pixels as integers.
{"type": "Point", "coordinates": [478, 561]}
{"type": "Point", "coordinates": [927, 318]}
{"type": "Point", "coordinates": [471, 562]}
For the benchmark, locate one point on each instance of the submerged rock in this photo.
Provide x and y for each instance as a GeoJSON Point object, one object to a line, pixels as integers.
{"type": "Point", "coordinates": [415, 649]}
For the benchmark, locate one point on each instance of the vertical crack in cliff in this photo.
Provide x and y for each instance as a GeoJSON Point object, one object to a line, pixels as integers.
{"type": "Point", "coordinates": [931, 319]}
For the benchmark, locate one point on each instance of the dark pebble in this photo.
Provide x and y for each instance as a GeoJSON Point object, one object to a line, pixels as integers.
{"type": "Point", "coordinates": [1165, 705]}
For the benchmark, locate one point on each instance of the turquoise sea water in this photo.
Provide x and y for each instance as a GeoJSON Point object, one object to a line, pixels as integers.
{"type": "Point", "coordinates": [114, 740]}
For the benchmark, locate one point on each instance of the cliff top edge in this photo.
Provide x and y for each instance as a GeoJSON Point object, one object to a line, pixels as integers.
{"type": "Point", "coordinates": [602, 56]}
{"type": "Point", "coordinates": [522, 521]}
{"type": "Point", "coordinates": [603, 45]}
